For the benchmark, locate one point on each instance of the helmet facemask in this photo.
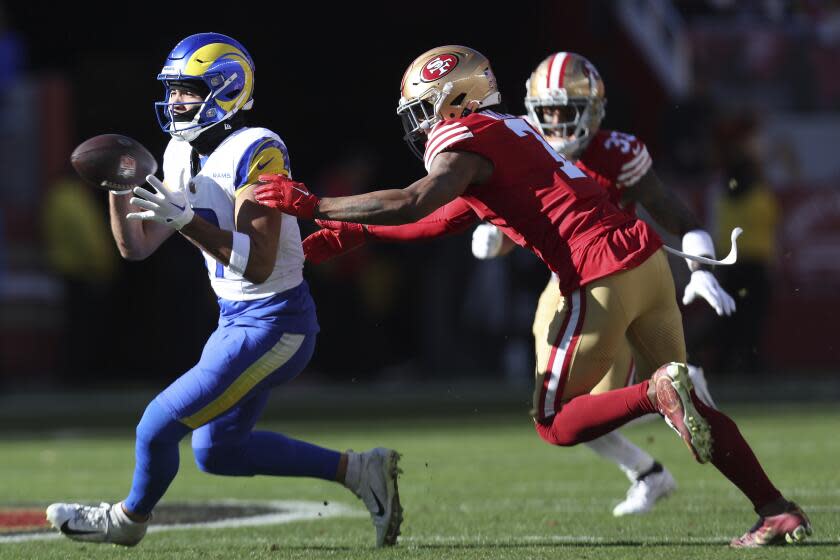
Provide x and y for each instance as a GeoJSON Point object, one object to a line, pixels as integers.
{"type": "Point", "coordinates": [186, 124]}
{"type": "Point", "coordinates": [567, 124]}
{"type": "Point", "coordinates": [419, 115]}
{"type": "Point", "coordinates": [200, 115]}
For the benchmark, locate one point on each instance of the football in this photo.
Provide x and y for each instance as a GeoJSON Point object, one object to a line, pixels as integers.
{"type": "Point", "coordinates": [113, 162]}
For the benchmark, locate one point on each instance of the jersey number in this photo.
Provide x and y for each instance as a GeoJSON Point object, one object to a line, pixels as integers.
{"type": "Point", "coordinates": [523, 129]}
{"type": "Point", "coordinates": [215, 267]}
{"type": "Point", "coordinates": [619, 140]}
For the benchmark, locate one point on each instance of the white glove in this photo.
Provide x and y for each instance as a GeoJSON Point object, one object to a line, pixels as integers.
{"type": "Point", "coordinates": [165, 207]}
{"type": "Point", "coordinates": [487, 241]}
{"type": "Point", "coordinates": [704, 284]}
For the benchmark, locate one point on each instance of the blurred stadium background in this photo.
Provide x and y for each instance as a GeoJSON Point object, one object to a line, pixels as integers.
{"type": "Point", "coordinates": [724, 93]}
{"type": "Point", "coordinates": [738, 102]}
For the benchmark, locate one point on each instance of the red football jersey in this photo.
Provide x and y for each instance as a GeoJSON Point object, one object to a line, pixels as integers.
{"type": "Point", "coordinates": [542, 201]}
{"type": "Point", "coordinates": [615, 160]}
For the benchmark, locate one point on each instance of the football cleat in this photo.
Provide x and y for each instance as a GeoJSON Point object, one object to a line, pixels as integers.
{"type": "Point", "coordinates": [789, 527]}
{"type": "Point", "coordinates": [379, 491]}
{"type": "Point", "coordinates": [701, 387]}
{"type": "Point", "coordinates": [104, 523]}
{"type": "Point", "coordinates": [648, 489]}
{"type": "Point", "coordinates": [673, 400]}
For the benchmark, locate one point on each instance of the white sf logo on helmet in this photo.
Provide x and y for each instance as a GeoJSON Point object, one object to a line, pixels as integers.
{"type": "Point", "coordinates": [438, 67]}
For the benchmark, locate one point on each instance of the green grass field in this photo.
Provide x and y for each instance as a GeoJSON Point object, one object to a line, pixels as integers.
{"type": "Point", "coordinates": [475, 487]}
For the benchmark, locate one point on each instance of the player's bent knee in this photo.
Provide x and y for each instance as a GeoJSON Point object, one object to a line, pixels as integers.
{"type": "Point", "coordinates": [557, 435]}
{"type": "Point", "coordinates": [158, 427]}
{"type": "Point", "coordinates": [566, 438]}
{"type": "Point", "coordinates": [226, 460]}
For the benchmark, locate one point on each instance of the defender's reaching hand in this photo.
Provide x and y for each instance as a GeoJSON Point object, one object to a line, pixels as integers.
{"type": "Point", "coordinates": [281, 193]}
{"type": "Point", "coordinates": [336, 238]}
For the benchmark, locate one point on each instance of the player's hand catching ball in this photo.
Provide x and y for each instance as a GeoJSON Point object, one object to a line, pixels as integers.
{"type": "Point", "coordinates": [165, 207]}
{"type": "Point", "coordinates": [290, 197]}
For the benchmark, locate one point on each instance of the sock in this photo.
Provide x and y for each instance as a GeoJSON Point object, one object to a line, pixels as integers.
{"type": "Point", "coordinates": [621, 451]}
{"type": "Point", "coordinates": [732, 456]}
{"type": "Point", "coordinates": [121, 518]}
{"type": "Point", "coordinates": [587, 417]}
{"type": "Point", "coordinates": [353, 476]}
{"type": "Point", "coordinates": [656, 467]}
{"type": "Point", "coordinates": [156, 458]}
{"type": "Point", "coordinates": [269, 453]}
{"type": "Point", "coordinates": [278, 455]}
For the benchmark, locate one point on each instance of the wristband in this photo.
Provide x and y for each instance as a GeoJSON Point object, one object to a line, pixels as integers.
{"type": "Point", "coordinates": [698, 242]}
{"type": "Point", "coordinates": [239, 253]}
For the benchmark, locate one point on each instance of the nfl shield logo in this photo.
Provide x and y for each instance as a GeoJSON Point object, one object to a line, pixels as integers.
{"type": "Point", "coordinates": [127, 168]}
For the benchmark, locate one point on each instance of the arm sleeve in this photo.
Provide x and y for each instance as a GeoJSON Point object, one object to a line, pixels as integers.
{"type": "Point", "coordinates": [453, 217]}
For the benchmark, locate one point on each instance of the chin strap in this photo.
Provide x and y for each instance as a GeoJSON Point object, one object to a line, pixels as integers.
{"type": "Point", "coordinates": [492, 99]}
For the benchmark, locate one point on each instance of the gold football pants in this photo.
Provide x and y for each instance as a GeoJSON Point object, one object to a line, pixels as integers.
{"type": "Point", "coordinates": [590, 340]}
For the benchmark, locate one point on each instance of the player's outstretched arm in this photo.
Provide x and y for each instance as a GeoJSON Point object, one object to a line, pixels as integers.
{"type": "Point", "coordinates": [453, 217]}
{"type": "Point", "coordinates": [449, 177]}
{"type": "Point", "coordinates": [663, 204]}
{"type": "Point", "coordinates": [336, 238]}
{"type": "Point", "coordinates": [135, 240]}
{"type": "Point", "coordinates": [251, 250]}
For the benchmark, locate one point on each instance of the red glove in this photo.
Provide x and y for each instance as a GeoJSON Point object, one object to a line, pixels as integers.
{"type": "Point", "coordinates": [290, 197]}
{"type": "Point", "coordinates": [335, 239]}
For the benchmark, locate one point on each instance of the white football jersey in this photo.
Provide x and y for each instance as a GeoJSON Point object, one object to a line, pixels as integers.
{"type": "Point", "coordinates": [234, 164]}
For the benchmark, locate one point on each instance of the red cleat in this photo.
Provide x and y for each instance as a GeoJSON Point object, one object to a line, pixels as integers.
{"type": "Point", "coordinates": [673, 400]}
{"type": "Point", "coordinates": [791, 526]}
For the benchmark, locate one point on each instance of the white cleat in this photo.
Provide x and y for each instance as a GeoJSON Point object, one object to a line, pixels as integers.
{"type": "Point", "coordinates": [701, 387]}
{"type": "Point", "coordinates": [104, 523]}
{"type": "Point", "coordinates": [378, 490]}
{"type": "Point", "coordinates": [646, 491]}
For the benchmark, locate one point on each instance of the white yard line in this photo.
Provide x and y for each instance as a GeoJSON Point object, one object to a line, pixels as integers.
{"type": "Point", "coordinates": [419, 541]}
{"type": "Point", "coordinates": [288, 512]}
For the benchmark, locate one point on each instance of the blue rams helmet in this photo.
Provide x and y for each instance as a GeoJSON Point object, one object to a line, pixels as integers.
{"type": "Point", "coordinates": [214, 66]}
